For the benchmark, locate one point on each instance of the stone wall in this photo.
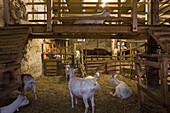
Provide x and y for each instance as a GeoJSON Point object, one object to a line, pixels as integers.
{"type": "Point", "coordinates": [1, 14]}
{"type": "Point", "coordinates": [32, 61]}
{"type": "Point", "coordinates": [92, 43]}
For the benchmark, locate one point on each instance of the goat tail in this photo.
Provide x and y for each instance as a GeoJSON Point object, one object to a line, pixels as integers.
{"type": "Point", "coordinates": [97, 86]}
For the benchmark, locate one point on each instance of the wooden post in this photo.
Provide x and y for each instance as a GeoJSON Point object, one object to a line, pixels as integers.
{"type": "Point", "coordinates": [6, 12]}
{"type": "Point", "coordinates": [154, 12]}
{"type": "Point", "coordinates": [106, 68]}
{"type": "Point", "coordinates": [164, 85]}
{"type": "Point", "coordinates": [49, 15]}
{"type": "Point", "coordinates": [59, 8]}
{"type": "Point", "coordinates": [66, 54]}
{"type": "Point", "coordinates": [72, 60]}
{"type": "Point", "coordinates": [131, 70]}
{"type": "Point", "coordinates": [120, 56]}
{"type": "Point", "coordinates": [140, 93]}
{"type": "Point", "coordinates": [119, 11]}
{"type": "Point", "coordinates": [134, 15]}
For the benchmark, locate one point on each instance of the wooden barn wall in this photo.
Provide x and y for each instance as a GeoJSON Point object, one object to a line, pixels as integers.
{"type": "Point", "coordinates": [1, 14]}
{"type": "Point", "coordinates": [32, 61]}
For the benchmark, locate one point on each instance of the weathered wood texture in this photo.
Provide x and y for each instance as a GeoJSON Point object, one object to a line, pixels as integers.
{"type": "Point", "coordinates": [163, 74]}
{"type": "Point", "coordinates": [12, 43]}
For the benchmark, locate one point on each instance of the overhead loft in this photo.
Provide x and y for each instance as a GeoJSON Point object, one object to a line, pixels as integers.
{"type": "Point", "coordinates": [12, 44]}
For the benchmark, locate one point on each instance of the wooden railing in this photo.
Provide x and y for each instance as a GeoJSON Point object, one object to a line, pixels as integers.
{"type": "Point", "coordinates": [66, 11]}
{"type": "Point", "coordinates": [162, 66]}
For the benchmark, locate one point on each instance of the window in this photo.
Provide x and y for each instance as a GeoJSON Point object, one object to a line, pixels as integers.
{"type": "Point", "coordinates": [81, 40]}
{"type": "Point", "coordinates": [118, 45]}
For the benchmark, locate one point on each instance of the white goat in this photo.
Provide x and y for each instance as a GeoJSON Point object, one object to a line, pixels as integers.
{"type": "Point", "coordinates": [105, 13]}
{"type": "Point", "coordinates": [29, 82]}
{"type": "Point", "coordinates": [93, 79]}
{"type": "Point", "coordinates": [20, 101]}
{"type": "Point", "coordinates": [67, 71]}
{"type": "Point", "coordinates": [82, 88]}
{"type": "Point", "coordinates": [122, 89]}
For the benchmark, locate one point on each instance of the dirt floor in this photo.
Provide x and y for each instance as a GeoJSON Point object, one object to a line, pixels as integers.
{"type": "Point", "coordinates": [53, 97]}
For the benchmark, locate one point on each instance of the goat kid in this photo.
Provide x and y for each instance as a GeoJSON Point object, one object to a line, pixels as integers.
{"type": "Point", "coordinates": [82, 88]}
{"type": "Point", "coordinates": [20, 101]}
{"type": "Point", "coordinates": [122, 89]}
{"type": "Point", "coordinates": [29, 82]}
{"type": "Point", "coordinates": [105, 13]}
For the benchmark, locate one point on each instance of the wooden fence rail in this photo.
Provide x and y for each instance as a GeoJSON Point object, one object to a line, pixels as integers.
{"type": "Point", "coordinates": [162, 66]}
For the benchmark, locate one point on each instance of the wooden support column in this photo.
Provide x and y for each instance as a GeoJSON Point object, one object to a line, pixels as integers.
{"type": "Point", "coordinates": [119, 11]}
{"type": "Point", "coordinates": [140, 93]}
{"type": "Point", "coordinates": [153, 12]}
{"type": "Point", "coordinates": [6, 12]}
{"type": "Point", "coordinates": [66, 53]}
{"type": "Point", "coordinates": [134, 15]}
{"type": "Point", "coordinates": [151, 72]}
{"type": "Point", "coordinates": [164, 85]}
{"type": "Point", "coordinates": [49, 15]}
{"type": "Point", "coordinates": [120, 56]}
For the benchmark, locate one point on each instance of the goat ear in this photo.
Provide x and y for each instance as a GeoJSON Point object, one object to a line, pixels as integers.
{"type": "Point", "coordinates": [75, 69]}
{"type": "Point", "coordinates": [115, 75]}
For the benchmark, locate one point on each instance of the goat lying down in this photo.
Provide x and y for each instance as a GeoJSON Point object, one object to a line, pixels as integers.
{"type": "Point", "coordinates": [105, 13]}
{"type": "Point", "coordinates": [20, 101]}
{"type": "Point", "coordinates": [122, 89]}
{"type": "Point", "coordinates": [29, 82]}
{"type": "Point", "coordinates": [82, 88]}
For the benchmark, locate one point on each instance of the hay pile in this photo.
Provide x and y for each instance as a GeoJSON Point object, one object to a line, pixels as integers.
{"type": "Point", "coordinates": [53, 97]}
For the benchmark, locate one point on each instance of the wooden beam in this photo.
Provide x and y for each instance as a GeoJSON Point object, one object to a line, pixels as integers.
{"type": "Point", "coordinates": [49, 15]}
{"type": "Point", "coordinates": [134, 15]}
{"type": "Point", "coordinates": [86, 36]}
{"type": "Point", "coordinates": [148, 63]}
{"type": "Point", "coordinates": [9, 68]}
{"type": "Point", "coordinates": [157, 40]}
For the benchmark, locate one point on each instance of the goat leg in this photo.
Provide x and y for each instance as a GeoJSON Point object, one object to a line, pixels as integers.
{"type": "Point", "coordinates": [86, 104]}
{"type": "Point", "coordinates": [34, 92]}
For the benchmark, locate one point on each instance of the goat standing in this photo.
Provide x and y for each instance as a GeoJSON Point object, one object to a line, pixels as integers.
{"type": "Point", "coordinates": [122, 89]}
{"type": "Point", "coordinates": [82, 88]}
{"type": "Point", "coordinates": [29, 82]}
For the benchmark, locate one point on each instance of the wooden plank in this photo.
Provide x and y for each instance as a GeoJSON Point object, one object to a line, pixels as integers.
{"type": "Point", "coordinates": [9, 68]}
{"type": "Point", "coordinates": [20, 55]}
{"type": "Point", "coordinates": [8, 52]}
{"type": "Point", "coordinates": [84, 36]}
{"type": "Point", "coordinates": [9, 89]}
{"type": "Point", "coordinates": [37, 12]}
{"type": "Point", "coordinates": [92, 18]}
{"type": "Point", "coordinates": [7, 61]}
{"type": "Point", "coordinates": [15, 31]}
{"type": "Point", "coordinates": [157, 40]}
{"type": "Point", "coordinates": [36, 3]}
{"type": "Point", "coordinates": [155, 98]}
{"type": "Point", "coordinates": [149, 63]}
{"type": "Point", "coordinates": [37, 20]}
{"type": "Point", "coordinates": [91, 8]}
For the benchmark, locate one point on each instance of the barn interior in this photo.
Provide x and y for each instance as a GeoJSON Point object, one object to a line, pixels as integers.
{"type": "Point", "coordinates": [130, 38]}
